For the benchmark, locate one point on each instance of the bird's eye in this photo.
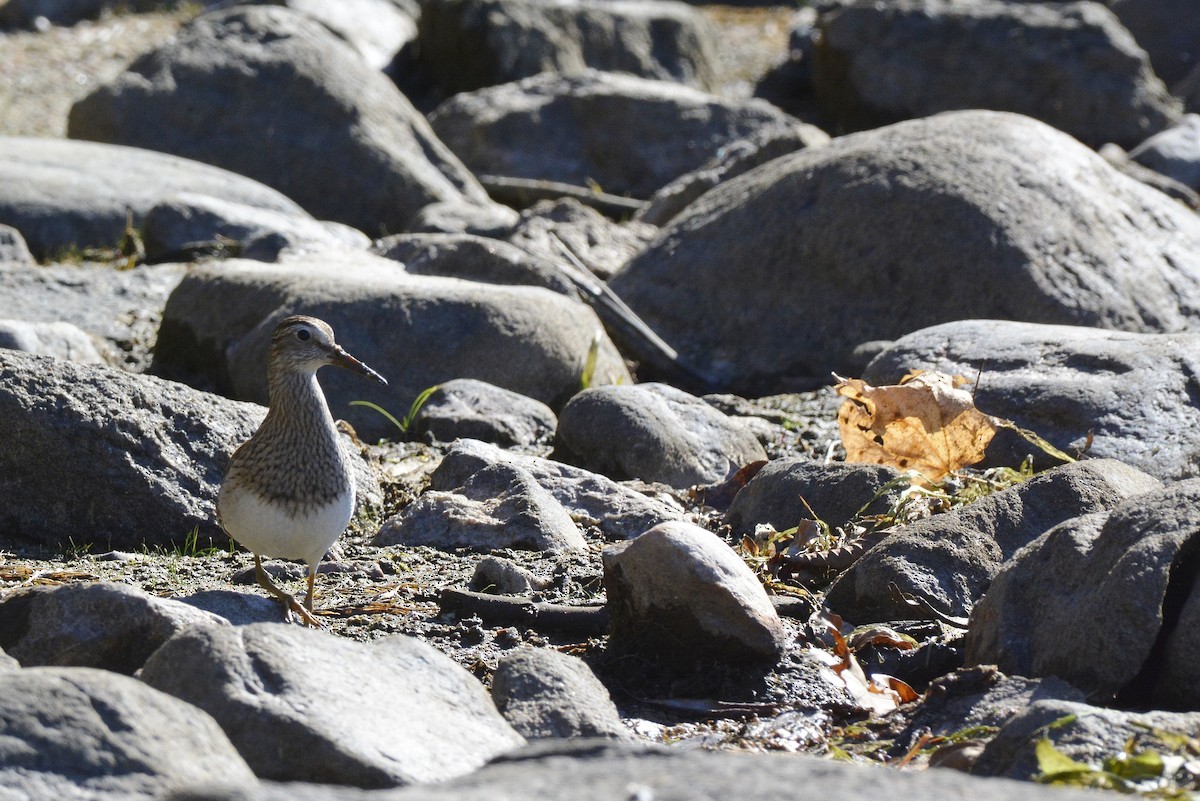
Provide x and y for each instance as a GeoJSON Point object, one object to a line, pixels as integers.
{"type": "Point", "coordinates": [303, 335]}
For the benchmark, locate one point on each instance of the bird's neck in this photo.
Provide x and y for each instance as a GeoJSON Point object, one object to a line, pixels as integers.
{"type": "Point", "coordinates": [297, 397]}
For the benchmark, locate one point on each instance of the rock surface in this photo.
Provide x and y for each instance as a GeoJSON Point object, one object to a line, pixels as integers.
{"type": "Point", "coordinates": [469, 44]}
{"type": "Point", "coordinates": [100, 625]}
{"type": "Point", "coordinates": [305, 706]}
{"type": "Point", "coordinates": [62, 195]}
{"type": "Point", "coordinates": [654, 432]}
{"type": "Point", "coordinates": [416, 331]}
{"type": "Point", "coordinates": [272, 94]}
{"type": "Point", "coordinates": [546, 694]}
{"type": "Point", "coordinates": [499, 506]}
{"type": "Point", "coordinates": [81, 733]}
{"type": "Point", "coordinates": [875, 64]}
{"type": "Point", "coordinates": [57, 340]}
{"type": "Point", "coordinates": [834, 492]}
{"type": "Point", "coordinates": [464, 408]}
{"type": "Point", "coordinates": [143, 457]}
{"type": "Point", "coordinates": [1098, 601]}
{"type": "Point", "coordinates": [1174, 152]}
{"type": "Point", "coordinates": [678, 595]}
{"type": "Point", "coordinates": [616, 511]}
{"type": "Point", "coordinates": [1076, 387]}
{"type": "Point", "coordinates": [950, 559]}
{"type": "Point", "coordinates": [840, 244]}
{"type": "Point", "coordinates": [560, 128]}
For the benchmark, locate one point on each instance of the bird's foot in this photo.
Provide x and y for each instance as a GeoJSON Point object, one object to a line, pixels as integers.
{"type": "Point", "coordinates": [290, 604]}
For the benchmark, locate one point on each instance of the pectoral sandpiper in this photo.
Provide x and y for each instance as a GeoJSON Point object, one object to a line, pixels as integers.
{"type": "Point", "coordinates": [289, 489]}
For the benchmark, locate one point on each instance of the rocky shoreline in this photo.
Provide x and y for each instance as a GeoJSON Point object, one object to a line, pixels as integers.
{"type": "Point", "coordinates": [611, 541]}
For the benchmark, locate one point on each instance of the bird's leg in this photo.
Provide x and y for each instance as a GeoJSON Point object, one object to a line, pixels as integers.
{"type": "Point", "coordinates": [290, 604]}
{"type": "Point", "coordinates": [312, 579]}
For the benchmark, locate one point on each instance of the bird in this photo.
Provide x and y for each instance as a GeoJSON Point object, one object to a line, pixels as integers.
{"type": "Point", "coordinates": [288, 491]}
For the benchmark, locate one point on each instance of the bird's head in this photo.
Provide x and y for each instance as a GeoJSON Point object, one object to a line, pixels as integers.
{"type": "Point", "coordinates": [304, 344]}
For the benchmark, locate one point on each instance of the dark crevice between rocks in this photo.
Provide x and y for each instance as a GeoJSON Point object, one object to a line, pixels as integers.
{"type": "Point", "coordinates": [14, 619]}
{"type": "Point", "coordinates": [1140, 693]}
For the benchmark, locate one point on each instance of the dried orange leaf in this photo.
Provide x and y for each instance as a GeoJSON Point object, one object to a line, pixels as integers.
{"type": "Point", "coordinates": [927, 423]}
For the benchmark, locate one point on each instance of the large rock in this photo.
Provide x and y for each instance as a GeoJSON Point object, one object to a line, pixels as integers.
{"type": "Point", "coordinates": [783, 492]}
{"type": "Point", "coordinates": [14, 250]}
{"type": "Point", "coordinates": [303, 705]}
{"type": "Point", "coordinates": [1167, 30]}
{"type": "Point", "coordinates": [417, 331]}
{"type": "Point", "coordinates": [1119, 395]}
{"type": "Point", "coordinates": [951, 558]}
{"type": "Point", "coordinates": [1174, 152]}
{"type": "Point", "coordinates": [680, 596]}
{"type": "Point", "coordinates": [464, 408]}
{"type": "Point", "coordinates": [1106, 601]}
{"type": "Point", "coordinates": [63, 195]}
{"type": "Point", "coordinates": [81, 733]}
{"type": "Point", "coordinates": [58, 340]}
{"type": "Point", "coordinates": [544, 693]}
{"type": "Point", "coordinates": [1079, 731]}
{"type": "Point", "coordinates": [272, 94]}
{"type": "Point", "coordinates": [601, 245]}
{"type": "Point", "coordinates": [1072, 65]}
{"type": "Point", "coordinates": [102, 625]}
{"type": "Point", "coordinates": [560, 128]}
{"type": "Point", "coordinates": [475, 258]}
{"type": "Point", "coordinates": [120, 307]}
{"type": "Point", "coordinates": [499, 506]}
{"type": "Point", "coordinates": [616, 511]}
{"type": "Point", "coordinates": [654, 432]}
{"type": "Point", "coordinates": [590, 771]}
{"type": "Point", "coordinates": [866, 238]}
{"type": "Point", "coordinates": [469, 44]}
{"type": "Point", "coordinates": [97, 455]}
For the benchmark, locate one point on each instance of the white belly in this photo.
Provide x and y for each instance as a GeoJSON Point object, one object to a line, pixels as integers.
{"type": "Point", "coordinates": [270, 530]}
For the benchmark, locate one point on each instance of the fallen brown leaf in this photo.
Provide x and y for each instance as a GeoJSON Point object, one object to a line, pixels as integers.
{"type": "Point", "coordinates": [927, 423]}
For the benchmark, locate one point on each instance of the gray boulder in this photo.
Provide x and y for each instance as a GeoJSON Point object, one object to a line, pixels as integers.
{"type": "Point", "coordinates": [8, 663]}
{"type": "Point", "coordinates": [561, 128]}
{"type": "Point", "coordinates": [1071, 65]}
{"type": "Point", "coordinates": [616, 511]}
{"type": "Point", "coordinates": [601, 245]}
{"type": "Point", "coordinates": [543, 694]}
{"type": "Point", "coordinates": [376, 29]}
{"type": "Point", "coordinates": [120, 309]}
{"type": "Point", "coordinates": [1167, 30]}
{"type": "Point", "coordinates": [729, 162]}
{"type": "Point", "coordinates": [469, 44]}
{"type": "Point", "coordinates": [499, 506]}
{"type": "Point", "coordinates": [13, 248]}
{"type": "Point", "coordinates": [1174, 152]}
{"type": "Point", "coordinates": [835, 492]}
{"type": "Point", "coordinates": [655, 433]}
{"type": "Point", "coordinates": [824, 259]}
{"type": "Point", "coordinates": [474, 258]}
{"type": "Point", "coordinates": [417, 331]}
{"type": "Point", "coordinates": [1120, 395]}
{"type": "Point", "coordinates": [1091, 735]}
{"type": "Point", "coordinates": [62, 195]}
{"type": "Point", "coordinates": [586, 770]}
{"type": "Point", "coordinates": [972, 697]}
{"type": "Point", "coordinates": [468, 409]}
{"type": "Point", "coordinates": [951, 558]}
{"type": "Point", "coordinates": [58, 340]}
{"type": "Point", "coordinates": [102, 456]}
{"type": "Point", "coordinates": [185, 225]}
{"type": "Point", "coordinates": [102, 625]}
{"type": "Point", "coordinates": [80, 733]}
{"type": "Point", "coordinates": [304, 705]}
{"type": "Point", "coordinates": [678, 595]}
{"type": "Point", "coordinates": [272, 94]}
{"type": "Point", "coordinates": [1104, 601]}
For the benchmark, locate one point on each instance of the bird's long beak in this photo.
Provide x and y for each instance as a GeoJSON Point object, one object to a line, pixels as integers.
{"type": "Point", "coordinates": [339, 358]}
